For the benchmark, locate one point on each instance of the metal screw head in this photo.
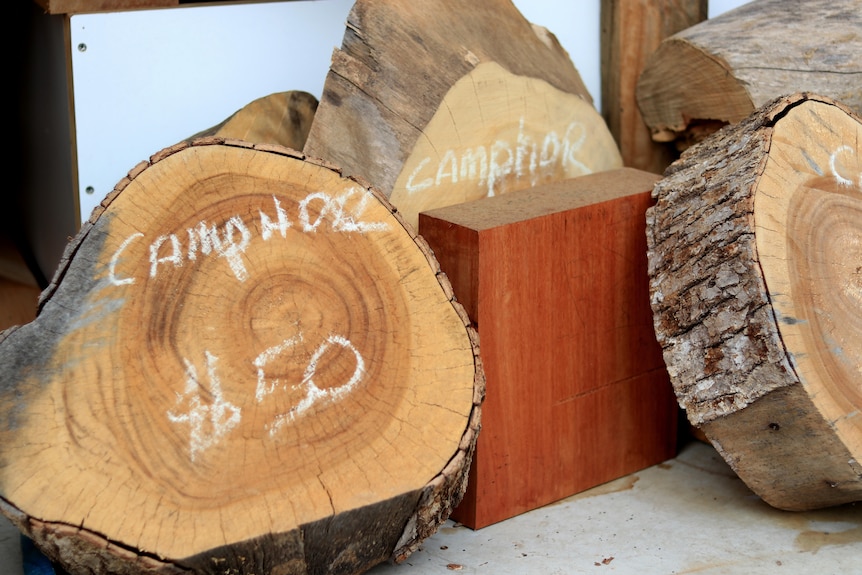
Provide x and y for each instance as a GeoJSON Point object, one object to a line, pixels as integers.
{"type": "Point", "coordinates": [82, 47]}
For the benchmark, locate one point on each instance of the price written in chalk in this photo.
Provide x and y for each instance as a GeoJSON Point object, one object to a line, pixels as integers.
{"type": "Point", "coordinates": [210, 415]}
{"type": "Point", "coordinates": [317, 212]}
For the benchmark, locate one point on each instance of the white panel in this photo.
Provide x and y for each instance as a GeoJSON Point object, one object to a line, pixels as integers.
{"type": "Point", "coordinates": [717, 7]}
{"type": "Point", "coordinates": [148, 79]}
{"type": "Point", "coordinates": [577, 25]}
{"type": "Point", "coordinates": [144, 80]}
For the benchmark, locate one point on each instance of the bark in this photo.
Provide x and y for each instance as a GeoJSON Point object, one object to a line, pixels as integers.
{"type": "Point", "coordinates": [755, 288]}
{"type": "Point", "coordinates": [721, 70]}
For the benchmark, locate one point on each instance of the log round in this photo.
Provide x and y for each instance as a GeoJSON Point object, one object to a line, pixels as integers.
{"type": "Point", "coordinates": [245, 364]}
{"type": "Point", "coordinates": [447, 101]}
{"type": "Point", "coordinates": [755, 263]}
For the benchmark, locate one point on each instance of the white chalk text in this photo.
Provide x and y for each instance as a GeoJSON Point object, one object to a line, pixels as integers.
{"type": "Point", "coordinates": [231, 239]}
{"type": "Point", "coordinates": [488, 166]}
{"type": "Point", "coordinates": [211, 419]}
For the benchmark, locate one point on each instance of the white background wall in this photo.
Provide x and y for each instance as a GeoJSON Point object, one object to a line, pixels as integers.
{"type": "Point", "coordinates": [144, 80]}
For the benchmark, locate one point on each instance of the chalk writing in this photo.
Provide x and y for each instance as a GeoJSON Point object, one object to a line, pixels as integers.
{"type": "Point", "coordinates": [341, 218]}
{"type": "Point", "coordinates": [115, 259]}
{"type": "Point", "coordinates": [313, 393]}
{"type": "Point", "coordinates": [344, 213]}
{"type": "Point", "coordinates": [208, 421]}
{"type": "Point", "coordinates": [212, 420]}
{"type": "Point", "coordinates": [489, 165]}
{"type": "Point", "coordinates": [263, 389]}
{"type": "Point", "coordinates": [840, 166]}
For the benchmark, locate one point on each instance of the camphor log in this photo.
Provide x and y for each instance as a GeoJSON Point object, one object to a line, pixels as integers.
{"type": "Point", "coordinates": [246, 363]}
{"type": "Point", "coordinates": [445, 101]}
{"type": "Point", "coordinates": [755, 264]}
{"type": "Point", "coordinates": [720, 70]}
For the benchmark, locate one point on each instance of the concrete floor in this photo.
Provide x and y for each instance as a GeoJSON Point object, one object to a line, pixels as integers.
{"type": "Point", "coordinates": [688, 515]}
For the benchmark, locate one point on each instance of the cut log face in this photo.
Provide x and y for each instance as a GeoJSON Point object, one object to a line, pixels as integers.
{"type": "Point", "coordinates": [721, 70]}
{"type": "Point", "coordinates": [246, 364]}
{"type": "Point", "coordinates": [446, 101]}
{"type": "Point", "coordinates": [755, 248]}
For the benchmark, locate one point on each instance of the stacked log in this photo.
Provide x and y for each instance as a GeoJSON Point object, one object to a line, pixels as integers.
{"type": "Point", "coordinates": [447, 101]}
{"type": "Point", "coordinates": [282, 118]}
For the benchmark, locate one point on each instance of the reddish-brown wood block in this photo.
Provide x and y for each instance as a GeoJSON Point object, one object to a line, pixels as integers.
{"type": "Point", "coordinates": [555, 280]}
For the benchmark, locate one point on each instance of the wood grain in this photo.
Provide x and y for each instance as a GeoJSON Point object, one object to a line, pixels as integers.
{"type": "Point", "coordinates": [452, 100]}
{"type": "Point", "coordinates": [240, 362]}
{"type": "Point", "coordinates": [555, 280]}
{"type": "Point", "coordinates": [631, 31]}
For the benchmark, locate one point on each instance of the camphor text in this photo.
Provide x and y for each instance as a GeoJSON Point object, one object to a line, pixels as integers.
{"type": "Point", "coordinates": [488, 166]}
{"type": "Point", "coordinates": [343, 213]}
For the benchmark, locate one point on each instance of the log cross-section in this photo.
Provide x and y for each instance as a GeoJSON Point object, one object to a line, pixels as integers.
{"type": "Point", "coordinates": [245, 364]}
{"type": "Point", "coordinates": [755, 251]}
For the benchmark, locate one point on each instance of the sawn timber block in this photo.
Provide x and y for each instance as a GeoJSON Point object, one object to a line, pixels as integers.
{"type": "Point", "coordinates": [555, 280]}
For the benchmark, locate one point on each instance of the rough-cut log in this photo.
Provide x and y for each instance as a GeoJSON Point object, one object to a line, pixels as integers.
{"type": "Point", "coordinates": [245, 364]}
{"type": "Point", "coordinates": [445, 101]}
{"type": "Point", "coordinates": [283, 118]}
{"type": "Point", "coordinates": [719, 71]}
{"type": "Point", "coordinates": [555, 280]}
{"type": "Point", "coordinates": [631, 32]}
{"type": "Point", "coordinates": [755, 251]}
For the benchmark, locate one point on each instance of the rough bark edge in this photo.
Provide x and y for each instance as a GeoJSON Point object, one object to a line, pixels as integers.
{"type": "Point", "coordinates": [438, 497]}
{"type": "Point", "coordinates": [799, 463]}
{"type": "Point", "coordinates": [92, 552]}
{"type": "Point", "coordinates": [713, 270]}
